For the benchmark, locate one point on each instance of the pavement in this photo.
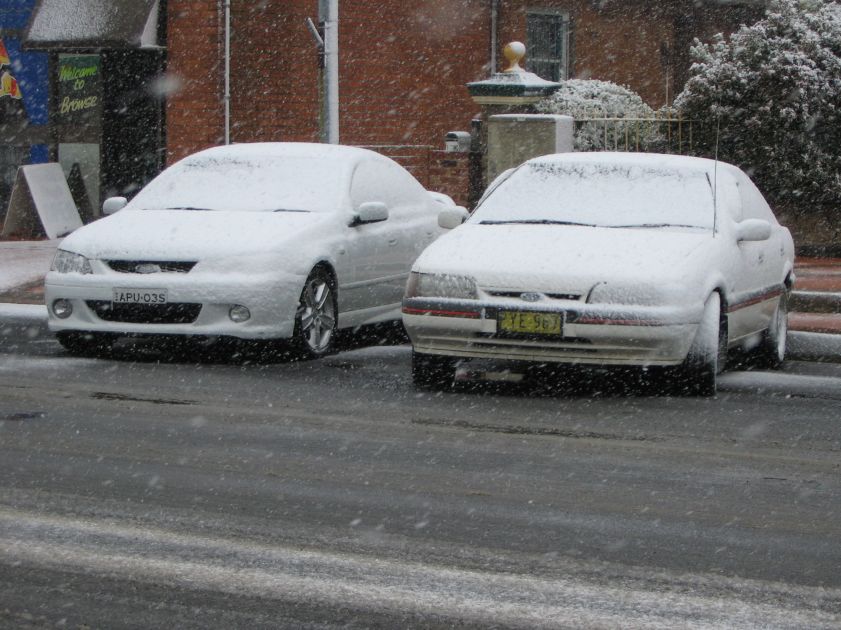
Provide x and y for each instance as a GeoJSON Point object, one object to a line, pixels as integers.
{"type": "Point", "coordinates": [814, 318]}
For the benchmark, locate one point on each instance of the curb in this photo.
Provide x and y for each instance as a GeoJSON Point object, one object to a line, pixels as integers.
{"type": "Point", "coordinates": [813, 346]}
{"type": "Point", "coordinates": [23, 319]}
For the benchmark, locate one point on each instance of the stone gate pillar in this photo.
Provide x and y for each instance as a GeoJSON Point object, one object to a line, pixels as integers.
{"type": "Point", "coordinates": [512, 91]}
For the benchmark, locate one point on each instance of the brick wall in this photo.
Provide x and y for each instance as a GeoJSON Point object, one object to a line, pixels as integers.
{"type": "Point", "coordinates": [403, 65]}
{"type": "Point", "coordinates": [625, 47]}
{"type": "Point", "coordinates": [274, 79]}
{"type": "Point", "coordinates": [194, 61]}
{"type": "Point", "coordinates": [448, 173]}
{"type": "Point", "coordinates": [402, 75]}
{"type": "Point", "coordinates": [642, 45]}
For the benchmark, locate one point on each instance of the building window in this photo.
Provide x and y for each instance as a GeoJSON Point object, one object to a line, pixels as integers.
{"type": "Point", "coordinates": [547, 43]}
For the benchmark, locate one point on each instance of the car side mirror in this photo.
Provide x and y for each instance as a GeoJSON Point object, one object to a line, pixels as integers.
{"type": "Point", "coordinates": [113, 204]}
{"type": "Point", "coordinates": [370, 212]}
{"type": "Point", "coordinates": [753, 230]}
{"type": "Point", "coordinates": [452, 217]}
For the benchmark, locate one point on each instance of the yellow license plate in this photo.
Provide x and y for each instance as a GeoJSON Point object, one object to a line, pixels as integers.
{"type": "Point", "coordinates": [528, 323]}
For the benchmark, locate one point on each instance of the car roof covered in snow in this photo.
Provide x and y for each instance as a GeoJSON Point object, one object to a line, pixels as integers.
{"type": "Point", "coordinates": [285, 150]}
{"type": "Point", "coordinates": [652, 161]}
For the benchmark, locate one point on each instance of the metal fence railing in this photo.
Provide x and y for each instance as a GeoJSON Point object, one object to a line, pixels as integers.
{"type": "Point", "coordinates": [661, 133]}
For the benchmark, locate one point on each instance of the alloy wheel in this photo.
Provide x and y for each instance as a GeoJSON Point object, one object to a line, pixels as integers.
{"type": "Point", "coordinates": [317, 315]}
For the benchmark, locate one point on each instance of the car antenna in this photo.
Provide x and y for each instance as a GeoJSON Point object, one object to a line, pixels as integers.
{"type": "Point", "coordinates": [715, 172]}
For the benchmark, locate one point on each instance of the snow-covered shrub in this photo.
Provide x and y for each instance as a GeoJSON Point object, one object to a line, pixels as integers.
{"type": "Point", "coordinates": [595, 105]}
{"type": "Point", "coordinates": [772, 95]}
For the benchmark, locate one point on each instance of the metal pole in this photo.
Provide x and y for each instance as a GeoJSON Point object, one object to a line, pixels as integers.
{"type": "Point", "coordinates": [331, 74]}
{"type": "Point", "coordinates": [494, 28]}
{"type": "Point", "coordinates": [227, 95]}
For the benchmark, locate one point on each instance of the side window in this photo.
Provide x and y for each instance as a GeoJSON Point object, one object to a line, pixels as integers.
{"type": "Point", "coordinates": [386, 182]}
{"type": "Point", "coordinates": [405, 190]}
{"type": "Point", "coordinates": [367, 184]}
{"type": "Point", "coordinates": [547, 44]}
{"type": "Point", "coordinates": [754, 204]}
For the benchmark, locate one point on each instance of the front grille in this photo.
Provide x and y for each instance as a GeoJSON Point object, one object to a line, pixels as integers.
{"type": "Point", "coordinates": [551, 296]}
{"type": "Point", "coordinates": [149, 266]}
{"type": "Point", "coordinates": [145, 313]}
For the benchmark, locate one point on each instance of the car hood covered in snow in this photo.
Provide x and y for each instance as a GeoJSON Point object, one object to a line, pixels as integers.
{"type": "Point", "coordinates": [191, 235]}
{"type": "Point", "coordinates": [540, 255]}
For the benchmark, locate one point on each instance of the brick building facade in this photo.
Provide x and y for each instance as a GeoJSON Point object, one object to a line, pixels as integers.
{"type": "Point", "coordinates": [404, 65]}
{"type": "Point", "coordinates": [403, 70]}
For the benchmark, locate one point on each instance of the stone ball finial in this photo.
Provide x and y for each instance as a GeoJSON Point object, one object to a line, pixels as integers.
{"type": "Point", "coordinates": [514, 53]}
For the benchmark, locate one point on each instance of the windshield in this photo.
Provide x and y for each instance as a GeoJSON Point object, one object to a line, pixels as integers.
{"type": "Point", "coordinates": [242, 183]}
{"type": "Point", "coordinates": [604, 195]}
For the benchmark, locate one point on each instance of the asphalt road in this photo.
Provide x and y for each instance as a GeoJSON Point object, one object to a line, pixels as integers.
{"type": "Point", "coordinates": [145, 491]}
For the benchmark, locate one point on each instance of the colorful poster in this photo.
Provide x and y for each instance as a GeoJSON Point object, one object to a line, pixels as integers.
{"type": "Point", "coordinates": [8, 84]}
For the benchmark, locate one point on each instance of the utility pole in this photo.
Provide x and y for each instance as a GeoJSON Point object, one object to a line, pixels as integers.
{"type": "Point", "coordinates": [227, 88]}
{"type": "Point", "coordinates": [328, 15]}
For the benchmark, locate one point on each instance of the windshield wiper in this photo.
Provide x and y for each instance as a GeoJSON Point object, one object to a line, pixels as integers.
{"type": "Point", "coordinates": [214, 210]}
{"type": "Point", "coordinates": [653, 225]}
{"type": "Point", "coordinates": [535, 222]}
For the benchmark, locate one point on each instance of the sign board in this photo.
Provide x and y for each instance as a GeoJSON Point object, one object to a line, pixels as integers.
{"type": "Point", "coordinates": [79, 89]}
{"type": "Point", "coordinates": [41, 199]}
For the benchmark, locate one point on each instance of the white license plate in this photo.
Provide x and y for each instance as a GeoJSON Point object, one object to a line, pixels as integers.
{"type": "Point", "coordinates": [139, 296]}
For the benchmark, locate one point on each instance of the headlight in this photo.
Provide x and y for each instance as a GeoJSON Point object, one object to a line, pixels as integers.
{"type": "Point", "coordinates": [68, 262]}
{"type": "Point", "coordinates": [440, 285]}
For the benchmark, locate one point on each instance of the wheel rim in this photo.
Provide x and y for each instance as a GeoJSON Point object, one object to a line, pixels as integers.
{"type": "Point", "coordinates": [318, 315]}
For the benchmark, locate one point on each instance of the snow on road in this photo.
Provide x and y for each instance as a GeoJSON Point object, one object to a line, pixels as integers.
{"type": "Point", "coordinates": [573, 597]}
{"type": "Point", "coordinates": [22, 262]}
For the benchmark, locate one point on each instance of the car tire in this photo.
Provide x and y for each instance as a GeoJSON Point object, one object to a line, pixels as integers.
{"type": "Point", "coordinates": [707, 355]}
{"type": "Point", "coordinates": [316, 319]}
{"type": "Point", "coordinates": [86, 344]}
{"type": "Point", "coordinates": [772, 349]}
{"type": "Point", "coordinates": [432, 371]}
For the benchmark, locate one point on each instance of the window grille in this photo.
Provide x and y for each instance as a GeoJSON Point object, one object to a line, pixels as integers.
{"type": "Point", "coordinates": [547, 43]}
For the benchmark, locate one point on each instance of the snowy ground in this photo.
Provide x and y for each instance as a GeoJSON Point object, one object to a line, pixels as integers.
{"type": "Point", "coordinates": [22, 262]}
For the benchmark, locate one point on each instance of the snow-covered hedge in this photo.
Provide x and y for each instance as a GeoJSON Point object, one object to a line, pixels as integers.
{"type": "Point", "coordinates": [772, 94]}
{"type": "Point", "coordinates": [592, 102]}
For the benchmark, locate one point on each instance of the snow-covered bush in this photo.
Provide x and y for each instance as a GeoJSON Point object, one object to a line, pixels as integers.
{"type": "Point", "coordinates": [772, 95]}
{"type": "Point", "coordinates": [594, 104]}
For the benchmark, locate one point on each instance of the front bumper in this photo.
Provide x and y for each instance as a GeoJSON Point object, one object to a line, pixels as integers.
{"type": "Point", "coordinates": [206, 300]}
{"type": "Point", "coordinates": [591, 334]}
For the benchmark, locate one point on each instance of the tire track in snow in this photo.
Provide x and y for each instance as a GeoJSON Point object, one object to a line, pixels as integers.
{"type": "Point", "coordinates": [158, 556]}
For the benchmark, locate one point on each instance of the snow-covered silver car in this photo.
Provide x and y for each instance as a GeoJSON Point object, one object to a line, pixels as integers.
{"type": "Point", "coordinates": [254, 241]}
{"type": "Point", "coordinates": [606, 259]}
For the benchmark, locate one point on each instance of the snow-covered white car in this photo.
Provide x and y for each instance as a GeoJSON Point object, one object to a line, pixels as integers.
{"type": "Point", "coordinates": [606, 259]}
{"type": "Point", "coordinates": [257, 241]}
